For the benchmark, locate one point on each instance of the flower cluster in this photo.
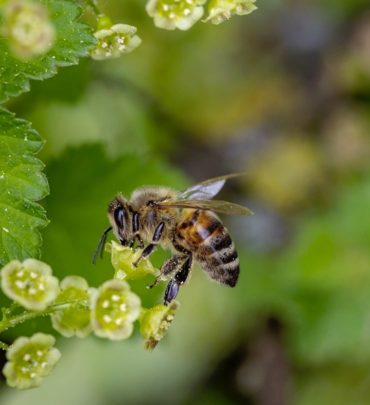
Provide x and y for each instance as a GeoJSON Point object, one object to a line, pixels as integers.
{"type": "Point", "coordinates": [183, 14]}
{"type": "Point", "coordinates": [114, 40]}
{"type": "Point", "coordinates": [75, 309]}
{"type": "Point", "coordinates": [28, 28]}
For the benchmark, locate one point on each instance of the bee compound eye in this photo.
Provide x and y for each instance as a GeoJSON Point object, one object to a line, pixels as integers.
{"type": "Point", "coordinates": [119, 216]}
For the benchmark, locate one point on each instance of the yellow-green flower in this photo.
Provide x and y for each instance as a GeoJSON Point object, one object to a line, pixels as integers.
{"type": "Point", "coordinates": [30, 360]}
{"type": "Point", "coordinates": [222, 10]}
{"type": "Point", "coordinates": [114, 308]}
{"type": "Point", "coordinates": [122, 258]}
{"type": "Point", "coordinates": [74, 320]}
{"type": "Point", "coordinates": [28, 28]}
{"type": "Point", "coordinates": [154, 323]}
{"type": "Point", "coordinates": [30, 283]}
{"type": "Point", "coordinates": [172, 14]}
{"type": "Point", "coordinates": [115, 41]}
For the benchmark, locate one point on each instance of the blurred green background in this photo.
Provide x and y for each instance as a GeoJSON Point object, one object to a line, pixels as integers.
{"type": "Point", "coordinates": [283, 95]}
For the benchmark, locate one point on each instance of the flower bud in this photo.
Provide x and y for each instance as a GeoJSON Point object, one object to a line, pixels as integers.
{"type": "Point", "coordinates": [29, 283]}
{"type": "Point", "coordinates": [115, 41]}
{"type": "Point", "coordinates": [28, 29]}
{"type": "Point", "coordinates": [155, 322]}
{"type": "Point", "coordinates": [30, 360]}
{"type": "Point", "coordinates": [172, 14]}
{"type": "Point", "coordinates": [222, 10]}
{"type": "Point", "coordinates": [122, 258]}
{"type": "Point", "coordinates": [75, 319]}
{"type": "Point", "coordinates": [114, 308]}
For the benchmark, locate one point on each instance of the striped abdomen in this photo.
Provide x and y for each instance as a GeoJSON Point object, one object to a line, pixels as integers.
{"type": "Point", "coordinates": [204, 235]}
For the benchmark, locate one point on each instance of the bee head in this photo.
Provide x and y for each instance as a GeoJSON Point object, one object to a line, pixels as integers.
{"type": "Point", "coordinates": [119, 218]}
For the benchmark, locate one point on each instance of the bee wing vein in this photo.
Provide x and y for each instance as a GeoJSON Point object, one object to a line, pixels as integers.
{"type": "Point", "coordinates": [206, 189]}
{"type": "Point", "coordinates": [223, 207]}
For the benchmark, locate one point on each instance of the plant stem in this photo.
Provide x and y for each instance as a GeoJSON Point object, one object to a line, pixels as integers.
{"type": "Point", "coordinates": [13, 320]}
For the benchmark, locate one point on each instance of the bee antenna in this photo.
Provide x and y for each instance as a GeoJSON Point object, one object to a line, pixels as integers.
{"type": "Point", "coordinates": [99, 249]}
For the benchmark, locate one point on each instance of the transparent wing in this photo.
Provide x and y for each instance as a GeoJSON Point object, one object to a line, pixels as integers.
{"type": "Point", "coordinates": [223, 207]}
{"type": "Point", "coordinates": [207, 189]}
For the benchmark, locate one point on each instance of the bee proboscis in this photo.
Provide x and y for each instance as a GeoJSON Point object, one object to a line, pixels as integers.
{"type": "Point", "coordinates": [184, 222]}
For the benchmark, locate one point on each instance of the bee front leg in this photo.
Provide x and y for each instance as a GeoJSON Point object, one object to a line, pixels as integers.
{"type": "Point", "coordinates": [150, 248]}
{"type": "Point", "coordinates": [140, 241]}
{"type": "Point", "coordinates": [181, 276]}
{"type": "Point", "coordinates": [136, 230]}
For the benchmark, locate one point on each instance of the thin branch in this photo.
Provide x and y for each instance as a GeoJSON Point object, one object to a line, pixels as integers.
{"type": "Point", "coordinates": [11, 321]}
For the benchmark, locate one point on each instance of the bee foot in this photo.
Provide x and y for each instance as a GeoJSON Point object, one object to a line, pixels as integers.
{"type": "Point", "coordinates": [156, 281]}
{"type": "Point", "coordinates": [171, 291]}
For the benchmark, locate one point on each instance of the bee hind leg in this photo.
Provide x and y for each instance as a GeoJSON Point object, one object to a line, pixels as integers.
{"type": "Point", "coordinates": [181, 276]}
{"type": "Point", "coordinates": [169, 267]}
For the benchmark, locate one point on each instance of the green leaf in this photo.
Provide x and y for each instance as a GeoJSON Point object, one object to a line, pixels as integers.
{"type": "Point", "coordinates": [21, 184]}
{"type": "Point", "coordinates": [73, 40]}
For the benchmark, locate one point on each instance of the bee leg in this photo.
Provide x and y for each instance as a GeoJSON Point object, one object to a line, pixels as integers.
{"type": "Point", "coordinates": [141, 242]}
{"type": "Point", "coordinates": [132, 242]}
{"type": "Point", "coordinates": [150, 248]}
{"type": "Point", "coordinates": [169, 267]}
{"type": "Point", "coordinates": [171, 291]}
{"type": "Point", "coordinates": [135, 230]}
{"type": "Point", "coordinates": [181, 276]}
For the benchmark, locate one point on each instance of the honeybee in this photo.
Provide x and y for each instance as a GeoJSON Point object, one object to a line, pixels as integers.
{"type": "Point", "coordinates": [184, 222]}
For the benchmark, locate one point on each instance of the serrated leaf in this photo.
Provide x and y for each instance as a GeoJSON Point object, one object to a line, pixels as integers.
{"type": "Point", "coordinates": [21, 184]}
{"type": "Point", "coordinates": [73, 40]}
